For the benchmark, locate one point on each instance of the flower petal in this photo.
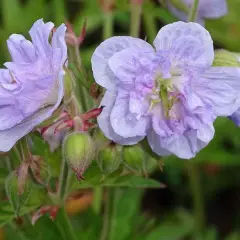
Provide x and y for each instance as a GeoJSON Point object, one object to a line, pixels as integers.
{"type": "Point", "coordinates": [10, 136]}
{"type": "Point", "coordinates": [183, 146]}
{"type": "Point", "coordinates": [235, 117]}
{"type": "Point", "coordinates": [21, 50]}
{"type": "Point", "coordinates": [101, 71]}
{"type": "Point", "coordinates": [154, 141]}
{"type": "Point", "coordinates": [126, 123]}
{"type": "Point", "coordinates": [104, 123]}
{"type": "Point", "coordinates": [59, 44]}
{"type": "Point", "coordinates": [130, 66]}
{"type": "Point", "coordinates": [39, 33]}
{"type": "Point", "coordinates": [188, 40]}
{"type": "Point", "coordinates": [219, 87]}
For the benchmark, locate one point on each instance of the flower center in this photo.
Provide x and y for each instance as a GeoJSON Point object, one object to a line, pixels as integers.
{"type": "Point", "coordinates": [164, 91]}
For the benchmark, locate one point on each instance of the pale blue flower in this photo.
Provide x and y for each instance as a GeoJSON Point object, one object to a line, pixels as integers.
{"type": "Point", "coordinates": [31, 88]}
{"type": "Point", "coordinates": [207, 9]}
{"type": "Point", "coordinates": [170, 94]}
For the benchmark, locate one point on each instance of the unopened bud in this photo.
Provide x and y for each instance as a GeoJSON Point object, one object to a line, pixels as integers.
{"type": "Point", "coordinates": [78, 152]}
{"type": "Point", "coordinates": [17, 200]}
{"type": "Point", "coordinates": [224, 58]}
{"type": "Point", "coordinates": [134, 158]}
{"type": "Point", "coordinates": [110, 158]}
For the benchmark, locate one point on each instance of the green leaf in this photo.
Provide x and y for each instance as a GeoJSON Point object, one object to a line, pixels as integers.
{"type": "Point", "coordinates": [135, 182]}
{"type": "Point", "coordinates": [126, 207]}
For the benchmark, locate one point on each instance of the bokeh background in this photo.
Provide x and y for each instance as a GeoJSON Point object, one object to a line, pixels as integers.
{"type": "Point", "coordinates": [154, 214]}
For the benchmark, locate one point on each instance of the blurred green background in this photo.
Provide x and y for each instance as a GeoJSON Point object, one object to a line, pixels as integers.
{"type": "Point", "coordinates": [154, 214]}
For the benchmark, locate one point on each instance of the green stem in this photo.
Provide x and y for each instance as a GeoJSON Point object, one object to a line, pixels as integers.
{"type": "Point", "coordinates": [197, 197]}
{"type": "Point", "coordinates": [136, 12]}
{"type": "Point", "coordinates": [149, 25]}
{"type": "Point", "coordinates": [108, 25]}
{"type": "Point", "coordinates": [65, 225]}
{"type": "Point", "coordinates": [193, 12]}
{"type": "Point", "coordinates": [110, 206]}
{"type": "Point", "coordinates": [106, 217]}
{"type": "Point", "coordinates": [97, 200]}
{"type": "Point", "coordinates": [63, 182]}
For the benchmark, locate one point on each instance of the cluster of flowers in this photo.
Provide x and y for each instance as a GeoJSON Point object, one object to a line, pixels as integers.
{"type": "Point", "coordinates": [169, 93]}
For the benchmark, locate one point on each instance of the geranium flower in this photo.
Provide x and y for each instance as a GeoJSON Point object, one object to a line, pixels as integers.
{"type": "Point", "coordinates": [31, 86]}
{"type": "Point", "coordinates": [207, 9]}
{"type": "Point", "coordinates": [170, 94]}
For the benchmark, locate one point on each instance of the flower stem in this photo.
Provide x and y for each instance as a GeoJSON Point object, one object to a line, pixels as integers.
{"type": "Point", "coordinates": [193, 12]}
{"type": "Point", "coordinates": [97, 200]}
{"type": "Point", "coordinates": [109, 214]}
{"type": "Point", "coordinates": [63, 182]}
{"type": "Point", "coordinates": [197, 197]}
{"type": "Point", "coordinates": [108, 25]}
{"type": "Point", "coordinates": [136, 12]}
{"type": "Point", "coordinates": [65, 225]}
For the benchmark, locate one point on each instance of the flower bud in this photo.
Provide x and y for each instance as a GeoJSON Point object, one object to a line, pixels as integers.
{"type": "Point", "coordinates": [78, 152]}
{"type": "Point", "coordinates": [110, 158]}
{"type": "Point", "coordinates": [16, 199]}
{"type": "Point", "coordinates": [224, 58]}
{"type": "Point", "coordinates": [134, 158]}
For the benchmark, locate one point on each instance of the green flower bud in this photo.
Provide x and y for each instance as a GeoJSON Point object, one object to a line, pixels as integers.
{"type": "Point", "coordinates": [78, 152]}
{"type": "Point", "coordinates": [17, 199]}
{"type": "Point", "coordinates": [110, 158]}
{"type": "Point", "coordinates": [224, 58]}
{"type": "Point", "coordinates": [134, 158]}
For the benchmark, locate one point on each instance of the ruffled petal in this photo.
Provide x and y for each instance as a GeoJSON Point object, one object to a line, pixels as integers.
{"type": "Point", "coordinates": [21, 50]}
{"type": "Point", "coordinates": [219, 87]}
{"type": "Point", "coordinates": [39, 33]}
{"type": "Point", "coordinates": [101, 71]}
{"type": "Point", "coordinates": [126, 123]}
{"type": "Point", "coordinates": [130, 66]}
{"type": "Point", "coordinates": [186, 42]}
{"type": "Point", "coordinates": [10, 136]}
{"type": "Point", "coordinates": [104, 123]}
{"type": "Point", "coordinates": [59, 46]}
{"type": "Point", "coordinates": [184, 146]}
{"type": "Point", "coordinates": [154, 141]}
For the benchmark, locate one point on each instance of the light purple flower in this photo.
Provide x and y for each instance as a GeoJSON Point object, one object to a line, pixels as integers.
{"type": "Point", "coordinates": [235, 117]}
{"type": "Point", "coordinates": [172, 95]}
{"type": "Point", "coordinates": [31, 88]}
{"type": "Point", "coordinates": [207, 9]}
